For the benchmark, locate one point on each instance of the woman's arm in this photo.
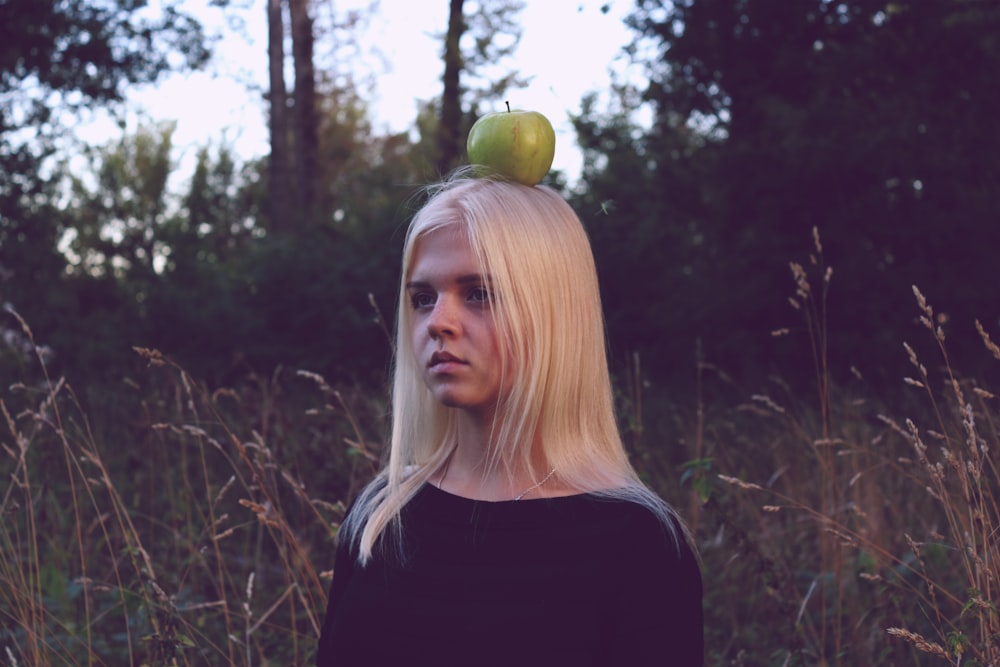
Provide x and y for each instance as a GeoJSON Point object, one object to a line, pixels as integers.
{"type": "Point", "coordinates": [343, 569]}
{"type": "Point", "coordinates": [659, 619]}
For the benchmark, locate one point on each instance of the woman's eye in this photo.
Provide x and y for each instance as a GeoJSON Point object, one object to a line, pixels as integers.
{"type": "Point", "coordinates": [480, 295]}
{"type": "Point", "coordinates": [422, 299]}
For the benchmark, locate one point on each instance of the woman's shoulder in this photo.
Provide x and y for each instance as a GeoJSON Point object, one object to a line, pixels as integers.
{"type": "Point", "coordinates": [641, 531]}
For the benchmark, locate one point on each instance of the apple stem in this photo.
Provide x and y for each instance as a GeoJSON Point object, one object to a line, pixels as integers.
{"type": "Point", "coordinates": [507, 102]}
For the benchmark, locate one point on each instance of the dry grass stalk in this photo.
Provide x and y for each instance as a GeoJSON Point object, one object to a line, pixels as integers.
{"type": "Point", "coordinates": [953, 575]}
{"type": "Point", "coordinates": [165, 586]}
{"type": "Point", "coordinates": [919, 642]}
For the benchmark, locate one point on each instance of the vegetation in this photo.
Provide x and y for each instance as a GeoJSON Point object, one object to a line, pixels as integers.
{"type": "Point", "coordinates": [837, 529]}
{"type": "Point", "coordinates": [208, 541]}
{"type": "Point", "coordinates": [864, 118]}
{"type": "Point", "coordinates": [193, 382]}
{"type": "Point", "coordinates": [866, 520]}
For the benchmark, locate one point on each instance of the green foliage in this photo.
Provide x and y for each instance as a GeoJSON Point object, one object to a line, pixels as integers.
{"type": "Point", "coordinates": [654, 256]}
{"type": "Point", "coordinates": [93, 48]}
{"type": "Point", "coordinates": [696, 473]}
{"type": "Point", "coordinates": [202, 278]}
{"type": "Point", "coordinates": [769, 118]}
{"type": "Point", "coordinates": [58, 57]}
{"type": "Point", "coordinates": [491, 38]}
{"type": "Point", "coordinates": [116, 219]}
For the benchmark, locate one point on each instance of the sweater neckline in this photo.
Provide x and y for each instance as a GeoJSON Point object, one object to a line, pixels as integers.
{"type": "Point", "coordinates": [451, 507]}
{"type": "Point", "coordinates": [433, 489]}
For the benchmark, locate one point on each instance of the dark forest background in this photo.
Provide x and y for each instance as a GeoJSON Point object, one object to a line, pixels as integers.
{"type": "Point", "coordinates": [869, 121]}
{"type": "Point", "coordinates": [761, 206]}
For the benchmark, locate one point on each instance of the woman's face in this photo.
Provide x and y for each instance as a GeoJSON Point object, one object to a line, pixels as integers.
{"type": "Point", "coordinates": [453, 332]}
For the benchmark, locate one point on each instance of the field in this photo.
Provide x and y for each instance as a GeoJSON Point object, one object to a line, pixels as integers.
{"type": "Point", "coordinates": [158, 522]}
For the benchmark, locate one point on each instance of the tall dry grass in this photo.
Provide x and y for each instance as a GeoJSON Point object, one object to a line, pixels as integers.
{"type": "Point", "coordinates": [167, 524]}
{"type": "Point", "coordinates": [839, 528]}
{"type": "Point", "coordinates": [200, 533]}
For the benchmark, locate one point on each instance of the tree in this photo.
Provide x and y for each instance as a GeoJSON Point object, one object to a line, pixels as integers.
{"type": "Point", "coordinates": [280, 165]}
{"type": "Point", "coordinates": [451, 107]}
{"type": "Point", "coordinates": [643, 207]}
{"type": "Point", "coordinates": [306, 119]}
{"type": "Point", "coordinates": [295, 169]}
{"type": "Point", "coordinates": [857, 117]}
{"type": "Point", "coordinates": [57, 58]}
{"type": "Point", "coordinates": [117, 218]}
{"type": "Point", "coordinates": [71, 55]}
{"type": "Point", "coordinates": [220, 212]}
{"type": "Point", "coordinates": [475, 45]}
{"type": "Point", "coordinates": [84, 52]}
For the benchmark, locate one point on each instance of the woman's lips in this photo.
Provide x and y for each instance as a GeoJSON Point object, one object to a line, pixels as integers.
{"type": "Point", "coordinates": [442, 361]}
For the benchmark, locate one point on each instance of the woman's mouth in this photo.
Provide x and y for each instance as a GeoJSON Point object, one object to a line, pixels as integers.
{"type": "Point", "coordinates": [442, 360]}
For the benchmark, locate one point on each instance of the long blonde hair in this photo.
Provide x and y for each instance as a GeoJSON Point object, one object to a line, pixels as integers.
{"type": "Point", "coordinates": [549, 318]}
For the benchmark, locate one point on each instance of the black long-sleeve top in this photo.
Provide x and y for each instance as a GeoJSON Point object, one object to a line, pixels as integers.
{"type": "Point", "coordinates": [576, 580]}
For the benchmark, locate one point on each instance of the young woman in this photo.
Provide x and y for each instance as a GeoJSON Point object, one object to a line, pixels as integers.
{"type": "Point", "coordinates": [508, 527]}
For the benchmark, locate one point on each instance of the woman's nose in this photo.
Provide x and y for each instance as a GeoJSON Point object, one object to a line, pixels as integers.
{"type": "Point", "coordinates": [444, 320]}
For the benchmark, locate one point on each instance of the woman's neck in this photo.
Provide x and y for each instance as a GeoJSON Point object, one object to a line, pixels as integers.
{"type": "Point", "coordinates": [474, 471]}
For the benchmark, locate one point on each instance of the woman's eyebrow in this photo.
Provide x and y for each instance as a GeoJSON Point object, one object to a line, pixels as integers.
{"type": "Point", "coordinates": [467, 279]}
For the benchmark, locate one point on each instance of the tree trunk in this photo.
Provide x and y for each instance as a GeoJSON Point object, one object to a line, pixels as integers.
{"type": "Point", "coordinates": [280, 175]}
{"type": "Point", "coordinates": [305, 119]}
{"type": "Point", "coordinates": [451, 110]}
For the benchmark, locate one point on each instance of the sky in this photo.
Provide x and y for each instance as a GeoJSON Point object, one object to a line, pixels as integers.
{"type": "Point", "coordinates": [568, 48]}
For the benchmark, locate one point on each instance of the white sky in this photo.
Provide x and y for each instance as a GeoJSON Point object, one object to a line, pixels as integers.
{"type": "Point", "coordinates": [567, 49]}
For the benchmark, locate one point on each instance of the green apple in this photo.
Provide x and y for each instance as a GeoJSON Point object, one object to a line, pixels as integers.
{"type": "Point", "coordinates": [518, 145]}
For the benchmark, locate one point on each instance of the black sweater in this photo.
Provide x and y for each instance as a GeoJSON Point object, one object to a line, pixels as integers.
{"type": "Point", "coordinates": [576, 580]}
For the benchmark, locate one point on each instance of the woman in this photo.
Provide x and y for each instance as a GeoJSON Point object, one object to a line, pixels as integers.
{"type": "Point", "coordinates": [508, 527]}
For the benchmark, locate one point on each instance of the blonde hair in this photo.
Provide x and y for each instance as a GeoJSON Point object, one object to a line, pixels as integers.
{"type": "Point", "coordinates": [548, 316]}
